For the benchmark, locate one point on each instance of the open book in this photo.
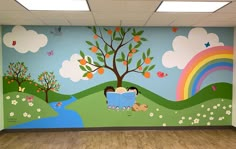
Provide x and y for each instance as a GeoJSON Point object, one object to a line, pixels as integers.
{"type": "Point", "coordinates": [126, 99]}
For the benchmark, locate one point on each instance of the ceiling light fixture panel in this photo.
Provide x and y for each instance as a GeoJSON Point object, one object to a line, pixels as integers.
{"type": "Point", "coordinates": [57, 5]}
{"type": "Point", "coordinates": [193, 6]}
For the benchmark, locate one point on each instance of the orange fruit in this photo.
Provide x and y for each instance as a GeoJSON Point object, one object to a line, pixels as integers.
{"type": "Point", "coordinates": [82, 61]}
{"type": "Point", "coordinates": [124, 62]}
{"type": "Point", "coordinates": [130, 54]}
{"type": "Point", "coordinates": [107, 55]}
{"type": "Point", "coordinates": [147, 60]}
{"type": "Point", "coordinates": [9, 82]}
{"type": "Point", "coordinates": [133, 50]}
{"type": "Point", "coordinates": [117, 29]}
{"type": "Point", "coordinates": [100, 70]}
{"type": "Point", "coordinates": [90, 75]}
{"type": "Point", "coordinates": [136, 38]}
{"type": "Point", "coordinates": [95, 36]}
{"type": "Point", "coordinates": [109, 32]}
{"type": "Point", "coordinates": [140, 68]}
{"type": "Point", "coordinates": [94, 49]}
{"type": "Point", "coordinates": [147, 74]}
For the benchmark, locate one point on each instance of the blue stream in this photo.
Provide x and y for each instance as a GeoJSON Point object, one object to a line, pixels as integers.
{"type": "Point", "coordinates": [65, 118]}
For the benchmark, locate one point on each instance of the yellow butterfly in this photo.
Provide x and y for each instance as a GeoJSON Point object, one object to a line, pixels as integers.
{"type": "Point", "coordinates": [21, 89]}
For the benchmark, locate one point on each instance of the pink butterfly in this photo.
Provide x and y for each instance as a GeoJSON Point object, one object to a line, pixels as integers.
{"type": "Point", "coordinates": [50, 53]}
{"type": "Point", "coordinates": [29, 98]}
{"type": "Point", "coordinates": [213, 87]}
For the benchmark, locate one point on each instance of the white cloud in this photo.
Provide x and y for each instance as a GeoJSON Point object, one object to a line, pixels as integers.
{"type": "Point", "coordinates": [70, 68]}
{"type": "Point", "coordinates": [24, 40]}
{"type": "Point", "coordinates": [185, 48]}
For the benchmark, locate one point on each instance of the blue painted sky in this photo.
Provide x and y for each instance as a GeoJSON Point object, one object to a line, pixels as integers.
{"type": "Point", "coordinates": [73, 39]}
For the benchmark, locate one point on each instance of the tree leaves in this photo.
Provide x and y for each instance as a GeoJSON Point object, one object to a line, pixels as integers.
{"type": "Point", "coordinates": [89, 43]}
{"type": "Point", "coordinates": [82, 54]}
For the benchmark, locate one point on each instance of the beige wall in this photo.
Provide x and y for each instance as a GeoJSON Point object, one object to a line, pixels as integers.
{"type": "Point", "coordinates": [234, 83]}
{"type": "Point", "coordinates": [1, 86]}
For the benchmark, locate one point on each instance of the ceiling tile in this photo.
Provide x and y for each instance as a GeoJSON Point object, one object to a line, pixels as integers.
{"type": "Point", "coordinates": [124, 5]}
{"type": "Point", "coordinates": [186, 19]}
{"type": "Point", "coordinates": [161, 19]}
{"type": "Point", "coordinates": [9, 5]}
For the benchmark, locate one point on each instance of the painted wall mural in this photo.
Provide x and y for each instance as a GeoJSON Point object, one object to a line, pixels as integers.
{"type": "Point", "coordinates": [81, 77]}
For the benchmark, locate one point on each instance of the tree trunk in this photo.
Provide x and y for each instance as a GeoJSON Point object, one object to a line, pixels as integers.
{"type": "Point", "coordinates": [46, 98]}
{"type": "Point", "coordinates": [119, 81]}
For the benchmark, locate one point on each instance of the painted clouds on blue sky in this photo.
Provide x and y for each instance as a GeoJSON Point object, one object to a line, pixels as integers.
{"type": "Point", "coordinates": [70, 68]}
{"type": "Point", "coordinates": [185, 48]}
{"type": "Point", "coordinates": [24, 41]}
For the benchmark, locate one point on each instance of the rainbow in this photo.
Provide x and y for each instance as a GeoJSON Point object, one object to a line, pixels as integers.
{"type": "Point", "coordinates": [200, 66]}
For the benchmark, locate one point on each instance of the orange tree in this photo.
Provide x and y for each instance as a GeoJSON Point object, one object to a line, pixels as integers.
{"type": "Point", "coordinates": [48, 82]}
{"type": "Point", "coordinates": [121, 47]}
{"type": "Point", "coordinates": [18, 72]}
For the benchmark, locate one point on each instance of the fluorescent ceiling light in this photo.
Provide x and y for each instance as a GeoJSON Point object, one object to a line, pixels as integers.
{"type": "Point", "coordinates": [186, 6]}
{"type": "Point", "coordinates": [65, 5]}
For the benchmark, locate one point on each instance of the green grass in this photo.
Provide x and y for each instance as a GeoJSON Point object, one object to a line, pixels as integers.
{"type": "Point", "coordinates": [18, 110]}
{"type": "Point", "coordinates": [31, 87]}
{"type": "Point", "coordinates": [224, 90]}
{"type": "Point", "coordinates": [94, 113]}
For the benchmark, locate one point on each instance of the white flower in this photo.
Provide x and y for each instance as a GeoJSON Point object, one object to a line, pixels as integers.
{"type": "Point", "coordinates": [12, 114]}
{"type": "Point", "coordinates": [198, 114]}
{"type": "Point", "coordinates": [228, 112]}
{"type": "Point", "coordinates": [164, 124]}
{"type": "Point", "coordinates": [38, 110]}
{"type": "Point", "coordinates": [180, 121]}
{"type": "Point", "coordinates": [208, 109]}
{"type": "Point", "coordinates": [202, 106]}
{"type": "Point", "coordinates": [14, 102]}
{"type": "Point", "coordinates": [29, 116]}
{"type": "Point", "coordinates": [190, 118]}
{"type": "Point", "coordinates": [214, 107]}
{"type": "Point", "coordinates": [17, 96]}
{"type": "Point", "coordinates": [30, 104]}
{"type": "Point", "coordinates": [223, 117]}
{"type": "Point", "coordinates": [220, 119]}
{"type": "Point", "coordinates": [192, 123]}
{"type": "Point", "coordinates": [211, 118]}
{"type": "Point", "coordinates": [222, 99]}
{"type": "Point", "coordinates": [25, 114]}
{"type": "Point", "coordinates": [23, 99]}
{"type": "Point", "coordinates": [218, 105]}
{"type": "Point", "coordinates": [151, 114]}
{"type": "Point", "coordinates": [230, 106]}
{"type": "Point", "coordinates": [160, 116]}
{"type": "Point", "coordinates": [211, 113]}
{"type": "Point", "coordinates": [39, 117]}
{"type": "Point", "coordinates": [208, 123]}
{"type": "Point", "coordinates": [196, 120]}
{"type": "Point", "coordinates": [8, 97]}
{"type": "Point", "coordinates": [183, 118]}
{"type": "Point", "coordinates": [224, 107]}
{"type": "Point", "coordinates": [204, 115]}
{"type": "Point", "coordinates": [157, 109]}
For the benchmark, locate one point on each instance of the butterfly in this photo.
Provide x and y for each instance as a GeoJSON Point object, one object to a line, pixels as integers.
{"type": "Point", "coordinates": [50, 53]}
{"type": "Point", "coordinates": [213, 87]}
{"type": "Point", "coordinates": [59, 104]}
{"type": "Point", "coordinates": [174, 29]}
{"type": "Point", "coordinates": [57, 31]}
{"type": "Point", "coordinates": [21, 89]}
{"type": "Point", "coordinates": [29, 98]}
{"type": "Point", "coordinates": [13, 42]}
{"type": "Point", "coordinates": [207, 44]}
{"type": "Point", "coordinates": [161, 74]}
